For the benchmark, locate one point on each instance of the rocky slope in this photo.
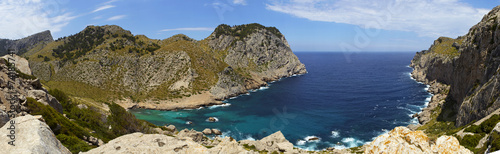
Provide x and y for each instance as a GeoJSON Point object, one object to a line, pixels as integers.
{"type": "Point", "coordinates": [470, 65]}
{"type": "Point", "coordinates": [109, 63]}
{"type": "Point", "coordinates": [23, 45]}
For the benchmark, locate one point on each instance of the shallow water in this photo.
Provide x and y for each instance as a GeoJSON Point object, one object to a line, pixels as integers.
{"type": "Point", "coordinates": [346, 100]}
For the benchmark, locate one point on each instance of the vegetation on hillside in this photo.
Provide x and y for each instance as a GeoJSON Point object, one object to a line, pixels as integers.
{"type": "Point", "coordinates": [242, 31]}
{"type": "Point", "coordinates": [86, 122]}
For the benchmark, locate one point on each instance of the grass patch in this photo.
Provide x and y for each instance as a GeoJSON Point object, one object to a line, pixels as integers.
{"type": "Point", "coordinates": [470, 141]}
{"type": "Point", "coordinates": [486, 126]}
{"type": "Point", "coordinates": [444, 47]}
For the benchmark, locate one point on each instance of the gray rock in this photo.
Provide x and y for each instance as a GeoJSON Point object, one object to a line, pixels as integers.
{"type": "Point", "coordinates": [194, 135]}
{"type": "Point", "coordinates": [31, 136]}
{"type": "Point", "coordinates": [82, 106]}
{"type": "Point", "coordinates": [472, 73]}
{"type": "Point", "coordinates": [46, 99]}
{"type": "Point", "coordinates": [4, 117]}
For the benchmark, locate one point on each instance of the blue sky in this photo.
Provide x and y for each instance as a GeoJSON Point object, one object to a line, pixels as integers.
{"type": "Point", "coordinates": [308, 25]}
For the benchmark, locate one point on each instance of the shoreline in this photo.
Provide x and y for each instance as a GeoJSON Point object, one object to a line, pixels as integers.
{"type": "Point", "coordinates": [437, 92]}
{"type": "Point", "coordinates": [203, 100]}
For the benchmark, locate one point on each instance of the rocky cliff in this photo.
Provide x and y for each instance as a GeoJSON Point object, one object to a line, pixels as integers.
{"type": "Point", "coordinates": [109, 63]}
{"type": "Point", "coordinates": [470, 65]}
{"type": "Point", "coordinates": [23, 45]}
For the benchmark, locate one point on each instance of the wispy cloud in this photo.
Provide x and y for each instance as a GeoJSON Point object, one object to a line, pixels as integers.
{"type": "Point", "coordinates": [240, 2]}
{"type": "Point", "coordinates": [103, 8]}
{"type": "Point", "coordinates": [189, 29]}
{"type": "Point", "coordinates": [118, 17]}
{"type": "Point", "coordinates": [23, 18]}
{"type": "Point", "coordinates": [425, 18]}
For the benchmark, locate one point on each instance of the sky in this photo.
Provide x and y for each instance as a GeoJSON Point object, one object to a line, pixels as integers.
{"type": "Point", "coordinates": [308, 25]}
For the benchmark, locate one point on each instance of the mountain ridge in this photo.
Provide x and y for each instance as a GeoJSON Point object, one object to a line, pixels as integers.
{"type": "Point", "coordinates": [150, 73]}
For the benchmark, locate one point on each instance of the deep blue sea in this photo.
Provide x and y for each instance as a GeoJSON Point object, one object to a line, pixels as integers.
{"type": "Point", "coordinates": [346, 99]}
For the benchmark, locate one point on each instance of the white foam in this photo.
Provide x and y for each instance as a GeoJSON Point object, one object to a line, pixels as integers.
{"type": "Point", "coordinates": [352, 142]}
{"type": "Point", "coordinates": [188, 122]}
{"type": "Point", "coordinates": [263, 88]}
{"type": "Point", "coordinates": [301, 142]}
{"type": "Point", "coordinates": [248, 137]}
{"type": "Point", "coordinates": [335, 134]}
{"type": "Point", "coordinates": [221, 105]}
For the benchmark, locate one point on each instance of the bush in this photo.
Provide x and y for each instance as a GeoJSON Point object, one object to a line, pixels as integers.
{"type": "Point", "coordinates": [59, 125]}
{"type": "Point", "coordinates": [471, 141]}
{"type": "Point", "coordinates": [486, 126]}
{"type": "Point", "coordinates": [74, 144]}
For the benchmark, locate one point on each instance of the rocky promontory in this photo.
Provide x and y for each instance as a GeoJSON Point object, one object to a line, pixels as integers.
{"type": "Point", "coordinates": [108, 63]}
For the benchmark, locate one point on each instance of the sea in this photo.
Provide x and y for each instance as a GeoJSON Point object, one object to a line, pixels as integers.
{"type": "Point", "coordinates": [345, 100]}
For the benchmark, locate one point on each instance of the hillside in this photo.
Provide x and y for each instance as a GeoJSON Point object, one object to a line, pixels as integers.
{"type": "Point", "coordinates": [465, 74]}
{"type": "Point", "coordinates": [32, 42]}
{"type": "Point", "coordinates": [108, 63]}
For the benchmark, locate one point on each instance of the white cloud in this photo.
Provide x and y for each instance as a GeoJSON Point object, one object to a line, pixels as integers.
{"type": "Point", "coordinates": [430, 18]}
{"type": "Point", "coordinates": [118, 17]}
{"type": "Point", "coordinates": [189, 29]}
{"type": "Point", "coordinates": [23, 18]}
{"type": "Point", "coordinates": [103, 8]}
{"type": "Point", "coordinates": [240, 2]}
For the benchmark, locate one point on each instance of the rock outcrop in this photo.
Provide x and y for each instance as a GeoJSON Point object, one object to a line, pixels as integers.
{"type": "Point", "coordinates": [25, 44]}
{"type": "Point", "coordinates": [470, 64]}
{"type": "Point", "coordinates": [25, 87]}
{"type": "Point", "coordinates": [403, 140]}
{"type": "Point", "coordinates": [31, 136]}
{"type": "Point", "coordinates": [274, 142]}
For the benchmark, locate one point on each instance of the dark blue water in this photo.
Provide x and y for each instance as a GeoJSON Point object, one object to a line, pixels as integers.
{"type": "Point", "coordinates": [346, 99]}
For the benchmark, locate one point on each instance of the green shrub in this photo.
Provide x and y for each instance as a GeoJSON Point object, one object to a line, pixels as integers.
{"type": "Point", "coordinates": [486, 126]}
{"type": "Point", "coordinates": [59, 124]}
{"type": "Point", "coordinates": [470, 141]}
{"type": "Point", "coordinates": [74, 144]}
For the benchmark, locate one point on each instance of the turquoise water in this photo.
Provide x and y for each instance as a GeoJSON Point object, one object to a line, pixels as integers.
{"type": "Point", "coordinates": [345, 99]}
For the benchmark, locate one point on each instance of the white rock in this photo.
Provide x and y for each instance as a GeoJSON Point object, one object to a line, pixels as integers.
{"type": "Point", "coordinates": [31, 136]}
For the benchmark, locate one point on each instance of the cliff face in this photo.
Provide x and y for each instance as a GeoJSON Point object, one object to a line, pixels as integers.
{"type": "Point", "coordinates": [118, 65]}
{"type": "Point", "coordinates": [470, 65]}
{"type": "Point", "coordinates": [25, 44]}
{"type": "Point", "coordinates": [262, 53]}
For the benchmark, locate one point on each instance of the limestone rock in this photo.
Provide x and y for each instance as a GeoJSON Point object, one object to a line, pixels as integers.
{"type": "Point", "coordinates": [32, 136]}
{"type": "Point", "coordinates": [46, 99]}
{"type": "Point", "coordinates": [449, 144]}
{"type": "Point", "coordinates": [216, 131]}
{"type": "Point", "coordinates": [21, 63]}
{"type": "Point", "coordinates": [470, 65]}
{"type": "Point", "coordinates": [274, 142]}
{"type": "Point", "coordinates": [228, 145]}
{"type": "Point", "coordinates": [403, 140]}
{"type": "Point", "coordinates": [171, 128]}
{"type": "Point", "coordinates": [149, 143]}
{"type": "Point", "coordinates": [207, 131]}
{"type": "Point", "coordinates": [192, 134]}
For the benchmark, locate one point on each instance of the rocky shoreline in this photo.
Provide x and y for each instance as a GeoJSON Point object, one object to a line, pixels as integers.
{"type": "Point", "coordinates": [205, 99]}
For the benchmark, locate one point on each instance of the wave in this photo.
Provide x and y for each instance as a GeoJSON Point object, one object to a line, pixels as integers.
{"type": "Point", "coordinates": [221, 105]}
{"type": "Point", "coordinates": [264, 88]}
{"type": "Point", "coordinates": [335, 134]}
{"type": "Point", "coordinates": [352, 142]}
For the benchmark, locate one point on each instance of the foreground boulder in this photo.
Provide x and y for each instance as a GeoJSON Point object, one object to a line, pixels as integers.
{"type": "Point", "coordinates": [403, 140]}
{"type": "Point", "coordinates": [274, 142]}
{"type": "Point", "coordinates": [31, 136]}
